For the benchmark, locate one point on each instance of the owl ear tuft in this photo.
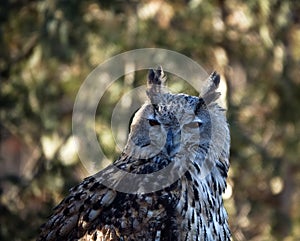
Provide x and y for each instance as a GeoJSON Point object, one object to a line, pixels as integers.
{"type": "Point", "coordinates": [156, 84]}
{"type": "Point", "coordinates": [209, 93]}
{"type": "Point", "coordinates": [156, 77]}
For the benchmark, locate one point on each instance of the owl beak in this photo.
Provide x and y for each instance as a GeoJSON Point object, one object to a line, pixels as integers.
{"type": "Point", "coordinates": [169, 141]}
{"type": "Point", "coordinates": [172, 142]}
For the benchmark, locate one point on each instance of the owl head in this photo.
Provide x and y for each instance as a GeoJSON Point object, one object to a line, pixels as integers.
{"type": "Point", "coordinates": [179, 125]}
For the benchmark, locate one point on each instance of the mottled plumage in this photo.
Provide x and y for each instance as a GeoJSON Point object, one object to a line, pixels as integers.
{"type": "Point", "coordinates": [190, 133]}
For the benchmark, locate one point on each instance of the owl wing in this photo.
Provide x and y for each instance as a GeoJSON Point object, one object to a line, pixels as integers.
{"type": "Point", "coordinates": [75, 214]}
{"type": "Point", "coordinates": [93, 211]}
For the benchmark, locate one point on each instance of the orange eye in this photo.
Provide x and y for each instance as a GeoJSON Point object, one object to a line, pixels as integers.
{"type": "Point", "coordinates": [153, 122]}
{"type": "Point", "coordinates": [193, 125]}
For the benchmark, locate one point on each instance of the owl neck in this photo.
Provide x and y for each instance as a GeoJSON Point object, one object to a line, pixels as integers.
{"type": "Point", "coordinates": [201, 203]}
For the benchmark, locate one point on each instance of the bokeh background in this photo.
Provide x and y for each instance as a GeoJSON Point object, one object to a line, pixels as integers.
{"type": "Point", "coordinates": [47, 49]}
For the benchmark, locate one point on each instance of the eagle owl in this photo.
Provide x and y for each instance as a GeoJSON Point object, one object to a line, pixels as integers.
{"type": "Point", "coordinates": [188, 133]}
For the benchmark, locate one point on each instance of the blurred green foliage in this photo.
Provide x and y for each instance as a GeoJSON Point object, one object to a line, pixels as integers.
{"type": "Point", "coordinates": [49, 47]}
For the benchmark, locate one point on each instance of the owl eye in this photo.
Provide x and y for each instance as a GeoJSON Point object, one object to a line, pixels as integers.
{"type": "Point", "coordinates": [193, 125]}
{"type": "Point", "coordinates": [153, 122]}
